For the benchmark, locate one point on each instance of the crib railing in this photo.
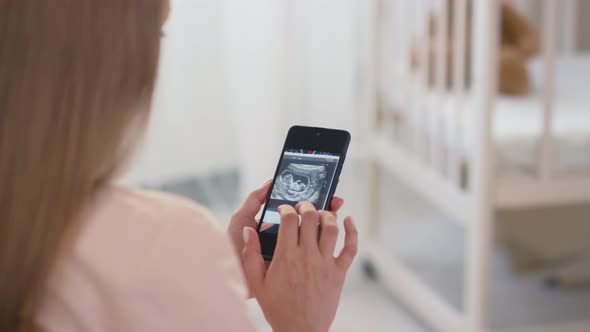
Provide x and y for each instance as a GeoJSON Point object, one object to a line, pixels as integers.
{"type": "Point", "coordinates": [441, 106]}
{"type": "Point", "coordinates": [549, 46]}
{"type": "Point", "coordinates": [438, 88]}
{"type": "Point", "coordinates": [458, 79]}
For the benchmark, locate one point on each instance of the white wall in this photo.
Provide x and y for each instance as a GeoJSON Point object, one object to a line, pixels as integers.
{"type": "Point", "coordinates": [254, 56]}
{"type": "Point", "coordinates": [236, 74]}
{"type": "Point", "coordinates": [190, 133]}
{"type": "Point", "coordinates": [331, 62]}
{"type": "Point", "coordinates": [288, 62]}
{"type": "Point", "coordinates": [322, 63]}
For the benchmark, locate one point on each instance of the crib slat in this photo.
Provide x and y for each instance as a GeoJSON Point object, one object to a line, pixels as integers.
{"type": "Point", "coordinates": [441, 45]}
{"type": "Point", "coordinates": [458, 79]}
{"type": "Point", "coordinates": [438, 109]}
{"type": "Point", "coordinates": [570, 26]}
{"type": "Point", "coordinates": [421, 102]}
{"type": "Point", "coordinates": [404, 30]}
{"type": "Point", "coordinates": [549, 46]}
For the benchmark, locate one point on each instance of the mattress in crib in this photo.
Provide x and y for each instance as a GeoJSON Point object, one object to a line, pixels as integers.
{"type": "Point", "coordinates": [518, 121]}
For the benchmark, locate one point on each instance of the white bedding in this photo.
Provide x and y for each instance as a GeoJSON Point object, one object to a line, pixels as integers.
{"type": "Point", "coordinates": [518, 120]}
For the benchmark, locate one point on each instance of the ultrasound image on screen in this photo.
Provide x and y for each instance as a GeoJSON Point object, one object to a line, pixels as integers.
{"type": "Point", "coordinates": [302, 176]}
{"type": "Point", "coordinates": [299, 182]}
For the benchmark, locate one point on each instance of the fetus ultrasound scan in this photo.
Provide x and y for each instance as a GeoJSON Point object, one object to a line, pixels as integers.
{"type": "Point", "coordinates": [299, 182]}
{"type": "Point", "coordinates": [302, 176]}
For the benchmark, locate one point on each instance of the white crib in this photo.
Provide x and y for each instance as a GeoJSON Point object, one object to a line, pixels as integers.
{"type": "Point", "coordinates": [470, 151]}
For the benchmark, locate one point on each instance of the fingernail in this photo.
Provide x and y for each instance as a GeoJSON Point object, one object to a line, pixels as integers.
{"type": "Point", "coordinates": [262, 191]}
{"type": "Point", "coordinates": [246, 235]}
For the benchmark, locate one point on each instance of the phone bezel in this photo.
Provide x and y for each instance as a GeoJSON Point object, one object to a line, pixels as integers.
{"type": "Point", "coordinates": [307, 138]}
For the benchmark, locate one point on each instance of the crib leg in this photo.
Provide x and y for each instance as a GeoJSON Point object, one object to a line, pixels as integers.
{"type": "Point", "coordinates": [374, 204]}
{"type": "Point", "coordinates": [478, 270]}
{"type": "Point", "coordinates": [480, 226]}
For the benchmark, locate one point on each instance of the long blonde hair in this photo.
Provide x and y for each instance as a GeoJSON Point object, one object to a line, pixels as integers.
{"type": "Point", "coordinates": [74, 75]}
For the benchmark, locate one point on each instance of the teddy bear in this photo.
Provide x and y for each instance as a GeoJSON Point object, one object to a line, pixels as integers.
{"type": "Point", "coordinates": [519, 41]}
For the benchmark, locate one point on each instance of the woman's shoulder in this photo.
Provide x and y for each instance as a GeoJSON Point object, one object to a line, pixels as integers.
{"type": "Point", "coordinates": [144, 227]}
{"type": "Point", "coordinates": [138, 217]}
{"type": "Point", "coordinates": [158, 258]}
{"type": "Point", "coordinates": [149, 206]}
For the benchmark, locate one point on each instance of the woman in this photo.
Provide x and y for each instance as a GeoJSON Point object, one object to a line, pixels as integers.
{"type": "Point", "coordinates": [80, 254]}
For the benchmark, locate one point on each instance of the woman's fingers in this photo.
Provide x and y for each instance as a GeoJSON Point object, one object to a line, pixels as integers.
{"type": "Point", "coordinates": [252, 261]}
{"type": "Point", "coordinates": [253, 202]}
{"type": "Point", "coordinates": [315, 222]}
{"type": "Point", "coordinates": [288, 230]}
{"type": "Point", "coordinates": [266, 226]}
{"type": "Point", "coordinates": [336, 204]}
{"type": "Point", "coordinates": [350, 248]}
{"type": "Point", "coordinates": [329, 233]}
{"type": "Point", "coordinates": [310, 219]}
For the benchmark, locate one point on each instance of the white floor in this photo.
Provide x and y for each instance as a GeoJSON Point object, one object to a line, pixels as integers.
{"type": "Point", "coordinates": [365, 306]}
{"type": "Point", "coordinates": [432, 247]}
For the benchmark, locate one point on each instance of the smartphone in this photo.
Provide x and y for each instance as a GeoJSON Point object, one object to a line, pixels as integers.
{"type": "Point", "coordinates": [308, 170]}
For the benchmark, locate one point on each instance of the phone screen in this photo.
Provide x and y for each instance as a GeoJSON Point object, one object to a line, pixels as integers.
{"type": "Point", "coordinates": [303, 175]}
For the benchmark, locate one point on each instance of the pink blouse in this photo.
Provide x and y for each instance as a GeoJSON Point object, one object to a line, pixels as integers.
{"type": "Point", "coordinates": [147, 261]}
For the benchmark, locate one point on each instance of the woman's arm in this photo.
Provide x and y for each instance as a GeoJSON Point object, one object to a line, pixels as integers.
{"type": "Point", "coordinates": [190, 281]}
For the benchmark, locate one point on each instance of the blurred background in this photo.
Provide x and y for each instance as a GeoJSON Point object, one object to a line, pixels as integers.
{"type": "Point", "coordinates": [459, 213]}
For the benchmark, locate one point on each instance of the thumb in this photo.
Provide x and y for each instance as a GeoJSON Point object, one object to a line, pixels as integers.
{"type": "Point", "coordinates": [252, 260]}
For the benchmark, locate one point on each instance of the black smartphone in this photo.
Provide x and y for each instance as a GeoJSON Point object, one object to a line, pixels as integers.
{"type": "Point", "coordinates": [308, 170]}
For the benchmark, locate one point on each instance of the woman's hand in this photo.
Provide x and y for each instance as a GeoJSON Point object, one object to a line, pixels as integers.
{"type": "Point", "coordinates": [301, 289]}
{"type": "Point", "coordinates": [245, 216]}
